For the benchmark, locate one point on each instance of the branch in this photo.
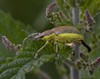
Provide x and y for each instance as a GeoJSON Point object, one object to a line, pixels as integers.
{"type": "Point", "coordinates": [68, 63]}
{"type": "Point", "coordinates": [74, 73]}
{"type": "Point", "coordinates": [75, 13]}
{"type": "Point", "coordinates": [43, 75]}
{"type": "Point", "coordinates": [64, 77]}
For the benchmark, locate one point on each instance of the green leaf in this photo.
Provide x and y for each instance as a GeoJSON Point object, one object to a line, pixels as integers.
{"type": "Point", "coordinates": [92, 5]}
{"type": "Point", "coordinates": [8, 73]}
{"type": "Point", "coordinates": [13, 29]}
{"type": "Point", "coordinates": [25, 62]}
{"type": "Point", "coordinates": [65, 7]}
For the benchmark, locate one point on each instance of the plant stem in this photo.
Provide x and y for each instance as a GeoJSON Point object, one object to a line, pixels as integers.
{"type": "Point", "coordinates": [74, 73]}
{"type": "Point", "coordinates": [76, 15]}
{"type": "Point", "coordinates": [41, 74]}
{"type": "Point", "coordinates": [64, 77]}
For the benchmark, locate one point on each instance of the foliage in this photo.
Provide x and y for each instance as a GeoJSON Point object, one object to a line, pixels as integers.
{"type": "Point", "coordinates": [24, 62]}
{"type": "Point", "coordinates": [14, 30]}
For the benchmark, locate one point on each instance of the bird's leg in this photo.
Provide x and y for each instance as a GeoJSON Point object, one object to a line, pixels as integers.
{"type": "Point", "coordinates": [37, 52]}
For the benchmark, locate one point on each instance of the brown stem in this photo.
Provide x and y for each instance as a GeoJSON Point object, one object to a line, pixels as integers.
{"type": "Point", "coordinates": [74, 73]}
{"type": "Point", "coordinates": [42, 75]}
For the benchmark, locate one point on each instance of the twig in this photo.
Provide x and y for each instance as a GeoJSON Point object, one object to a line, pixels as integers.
{"type": "Point", "coordinates": [75, 13]}
{"type": "Point", "coordinates": [68, 63]}
{"type": "Point", "coordinates": [64, 77]}
{"type": "Point", "coordinates": [74, 73]}
{"type": "Point", "coordinates": [43, 75]}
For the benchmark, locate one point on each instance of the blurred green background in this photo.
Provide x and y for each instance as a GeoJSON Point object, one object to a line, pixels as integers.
{"type": "Point", "coordinates": [19, 18]}
{"type": "Point", "coordinates": [27, 11]}
{"type": "Point", "coordinates": [29, 16]}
